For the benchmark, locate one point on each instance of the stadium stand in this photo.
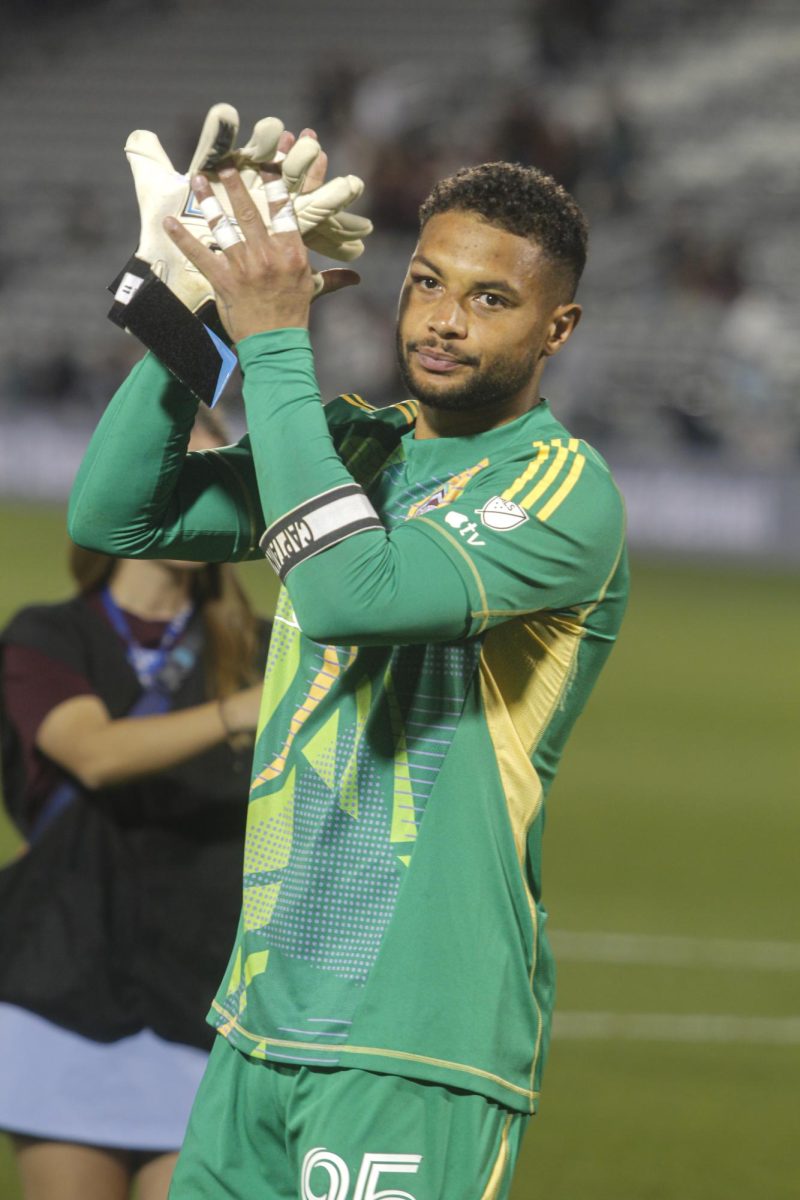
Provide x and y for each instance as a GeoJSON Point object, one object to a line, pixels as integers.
{"type": "Point", "coordinates": [674, 123]}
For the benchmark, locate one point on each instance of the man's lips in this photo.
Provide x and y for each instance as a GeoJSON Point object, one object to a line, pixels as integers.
{"type": "Point", "coordinates": [434, 360]}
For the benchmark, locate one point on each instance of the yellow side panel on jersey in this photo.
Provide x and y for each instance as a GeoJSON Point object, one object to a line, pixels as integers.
{"type": "Point", "coordinates": [527, 662]}
{"type": "Point", "coordinates": [525, 667]}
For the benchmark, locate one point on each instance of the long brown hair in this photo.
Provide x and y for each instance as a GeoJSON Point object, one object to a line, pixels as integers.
{"type": "Point", "coordinates": [231, 627]}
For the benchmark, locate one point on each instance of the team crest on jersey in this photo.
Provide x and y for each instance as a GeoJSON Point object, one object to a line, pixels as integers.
{"type": "Point", "coordinates": [447, 492]}
{"type": "Point", "coordinates": [431, 501]}
{"type": "Point", "coordinates": [501, 515]}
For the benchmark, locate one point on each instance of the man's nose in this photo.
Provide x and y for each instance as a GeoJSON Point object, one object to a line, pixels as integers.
{"type": "Point", "coordinates": [448, 319]}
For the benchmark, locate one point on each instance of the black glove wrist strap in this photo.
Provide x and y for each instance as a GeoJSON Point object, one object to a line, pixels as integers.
{"type": "Point", "coordinates": [193, 347]}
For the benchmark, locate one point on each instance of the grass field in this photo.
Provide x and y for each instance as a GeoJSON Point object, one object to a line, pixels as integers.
{"type": "Point", "coordinates": [674, 825]}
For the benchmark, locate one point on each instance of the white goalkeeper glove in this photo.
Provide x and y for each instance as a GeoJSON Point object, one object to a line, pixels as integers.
{"type": "Point", "coordinates": [159, 296]}
{"type": "Point", "coordinates": [162, 191]}
{"type": "Point", "coordinates": [324, 224]}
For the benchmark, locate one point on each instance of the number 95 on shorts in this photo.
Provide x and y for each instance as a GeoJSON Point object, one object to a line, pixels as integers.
{"type": "Point", "coordinates": [268, 1131]}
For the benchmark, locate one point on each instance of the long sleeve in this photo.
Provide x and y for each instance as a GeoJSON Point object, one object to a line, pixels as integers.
{"type": "Point", "coordinates": [138, 494]}
{"type": "Point", "coordinates": [349, 580]}
{"type": "Point", "coordinates": [352, 580]}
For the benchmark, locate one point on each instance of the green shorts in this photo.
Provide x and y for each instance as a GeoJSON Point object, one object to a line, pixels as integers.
{"type": "Point", "coordinates": [264, 1131]}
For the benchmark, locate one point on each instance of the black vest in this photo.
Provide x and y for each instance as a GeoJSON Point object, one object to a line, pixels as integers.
{"type": "Point", "coordinates": [122, 914]}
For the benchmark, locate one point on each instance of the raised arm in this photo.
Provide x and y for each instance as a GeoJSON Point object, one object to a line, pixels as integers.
{"type": "Point", "coordinates": [351, 580]}
{"type": "Point", "coordinates": [138, 494]}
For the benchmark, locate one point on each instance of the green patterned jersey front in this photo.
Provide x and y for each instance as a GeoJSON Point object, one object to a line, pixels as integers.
{"type": "Point", "coordinates": [392, 916]}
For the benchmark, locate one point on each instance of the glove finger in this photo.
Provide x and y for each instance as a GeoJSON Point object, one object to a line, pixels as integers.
{"type": "Point", "coordinates": [303, 154]}
{"type": "Point", "coordinates": [144, 144]}
{"type": "Point", "coordinates": [342, 251]}
{"type": "Point", "coordinates": [350, 225]}
{"type": "Point", "coordinates": [323, 202]}
{"type": "Point", "coordinates": [217, 138]}
{"type": "Point", "coordinates": [262, 144]}
{"type": "Point", "coordinates": [331, 231]}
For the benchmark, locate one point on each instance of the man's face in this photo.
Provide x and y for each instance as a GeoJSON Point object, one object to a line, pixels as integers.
{"type": "Point", "coordinates": [476, 317]}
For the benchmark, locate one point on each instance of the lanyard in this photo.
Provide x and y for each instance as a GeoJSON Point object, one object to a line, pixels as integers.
{"type": "Point", "coordinates": [146, 661]}
{"type": "Point", "coordinates": [158, 687]}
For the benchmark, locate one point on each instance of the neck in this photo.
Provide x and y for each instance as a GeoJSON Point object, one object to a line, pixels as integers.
{"type": "Point", "coordinates": [441, 422]}
{"type": "Point", "coordinates": [151, 589]}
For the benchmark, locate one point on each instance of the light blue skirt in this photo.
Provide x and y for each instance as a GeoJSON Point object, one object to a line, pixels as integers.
{"type": "Point", "coordinates": [134, 1094]}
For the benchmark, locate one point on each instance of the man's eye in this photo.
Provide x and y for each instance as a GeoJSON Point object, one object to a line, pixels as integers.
{"type": "Point", "coordinates": [491, 300]}
{"type": "Point", "coordinates": [426, 282]}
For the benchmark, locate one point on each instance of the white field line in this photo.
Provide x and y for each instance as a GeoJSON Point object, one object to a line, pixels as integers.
{"type": "Point", "coordinates": [668, 1027]}
{"type": "Point", "coordinates": [652, 951]}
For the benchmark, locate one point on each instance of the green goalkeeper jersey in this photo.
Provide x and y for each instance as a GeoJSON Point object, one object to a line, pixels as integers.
{"type": "Point", "coordinates": [447, 606]}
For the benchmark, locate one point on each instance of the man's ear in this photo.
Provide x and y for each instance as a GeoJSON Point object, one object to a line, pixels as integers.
{"type": "Point", "coordinates": [562, 323]}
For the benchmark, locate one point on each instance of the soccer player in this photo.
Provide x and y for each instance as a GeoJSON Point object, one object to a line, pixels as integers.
{"type": "Point", "coordinates": [454, 578]}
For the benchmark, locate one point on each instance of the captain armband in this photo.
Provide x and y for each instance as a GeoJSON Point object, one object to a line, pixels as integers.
{"type": "Point", "coordinates": [316, 525]}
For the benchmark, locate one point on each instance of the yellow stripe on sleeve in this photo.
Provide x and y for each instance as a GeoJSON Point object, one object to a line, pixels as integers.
{"type": "Point", "coordinates": [561, 493]}
{"type": "Point", "coordinates": [409, 410]}
{"type": "Point", "coordinates": [549, 477]}
{"type": "Point", "coordinates": [542, 451]}
{"type": "Point", "coordinates": [357, 402]}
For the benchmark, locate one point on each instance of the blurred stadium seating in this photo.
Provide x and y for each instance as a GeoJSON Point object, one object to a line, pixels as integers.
{"type": "Point", "coordinates": [675, 124]}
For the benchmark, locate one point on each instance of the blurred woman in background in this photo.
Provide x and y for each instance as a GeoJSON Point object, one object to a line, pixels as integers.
{"type": "Point", "coordinates": [127, 720]}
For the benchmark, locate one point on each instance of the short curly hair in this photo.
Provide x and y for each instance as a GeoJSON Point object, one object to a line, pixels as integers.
{"type": "Point", "coordinates": [522, 200]}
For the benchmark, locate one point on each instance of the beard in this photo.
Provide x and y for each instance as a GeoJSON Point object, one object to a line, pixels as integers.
{"type": "Point", "coordinates": [486, 387]}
